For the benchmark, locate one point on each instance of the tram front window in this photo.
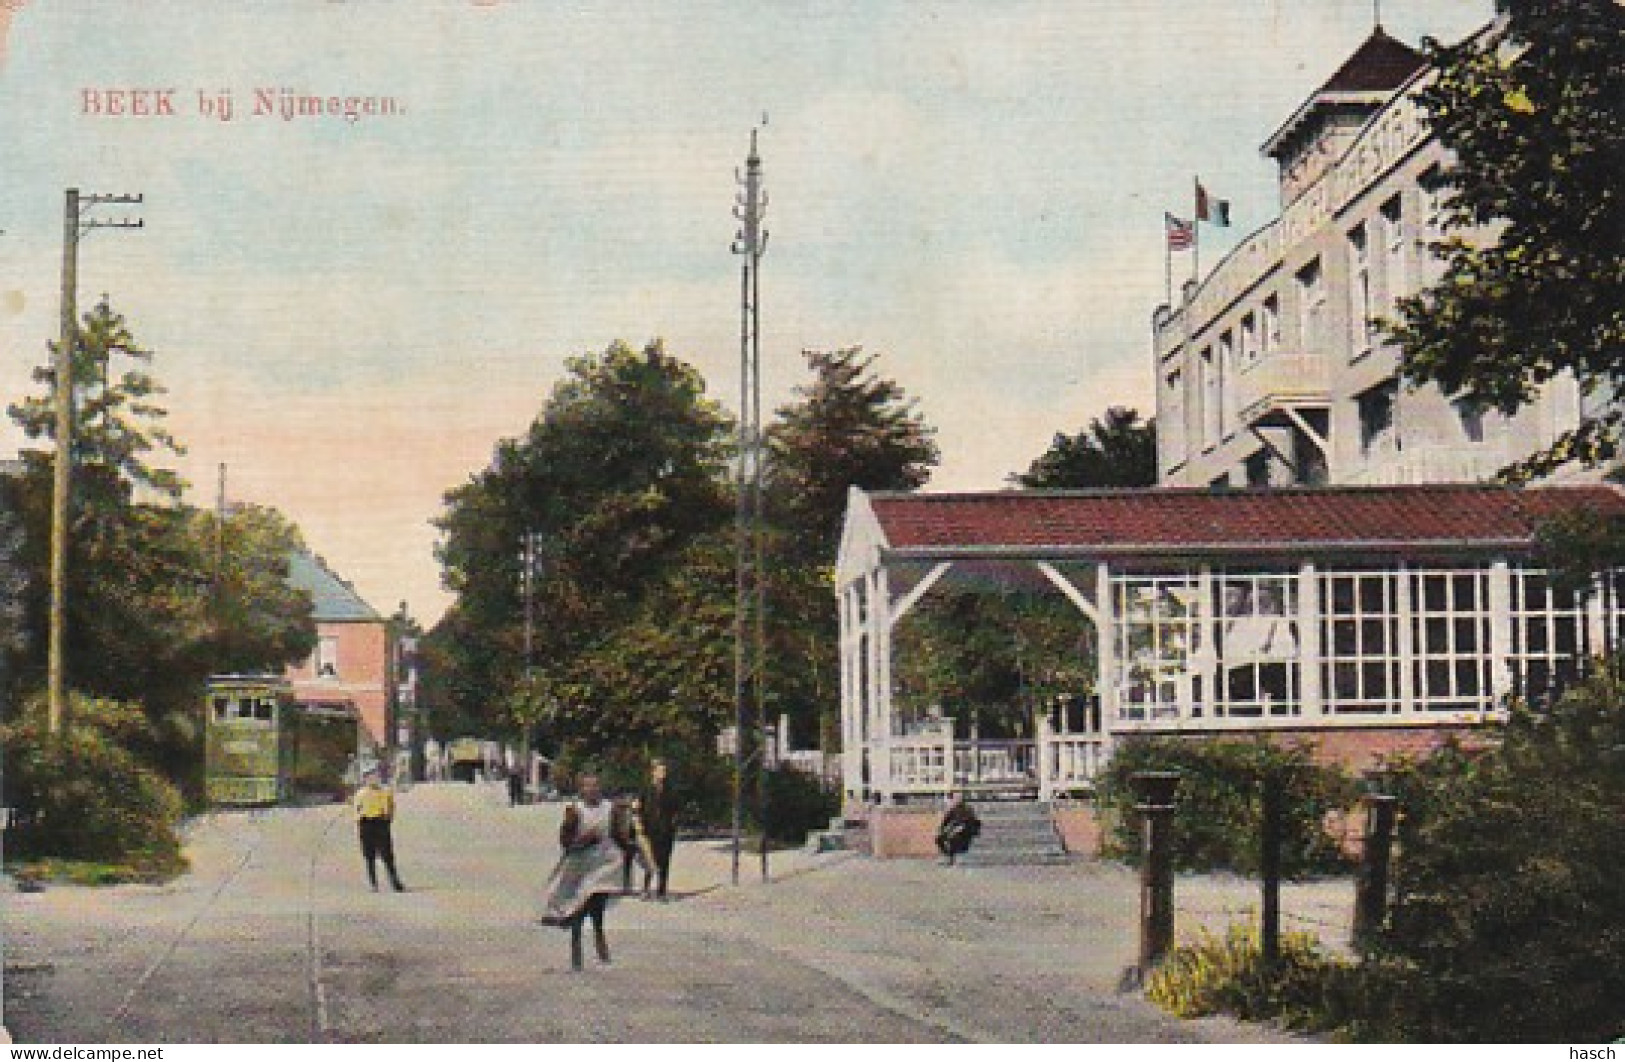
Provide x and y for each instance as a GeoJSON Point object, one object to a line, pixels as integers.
{"type": "Point", "coordinates": [265, 708]}
{"type": "Point", "coordinates": [222, 707]}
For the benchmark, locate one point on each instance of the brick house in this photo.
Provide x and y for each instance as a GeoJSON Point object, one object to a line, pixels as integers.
{"type": "Point", "coordinates": [350, 669]}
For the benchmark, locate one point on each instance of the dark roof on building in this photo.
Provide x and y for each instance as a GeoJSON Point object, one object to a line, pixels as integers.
{"type": "Point", "coordinates": [335, 599]}
{"type": "Point", "coordinates": [1378, 67]}
{"type": "Point", "coordinates": [1173, 520]}
{"type": "Point", "coordinates": [1381, 64]}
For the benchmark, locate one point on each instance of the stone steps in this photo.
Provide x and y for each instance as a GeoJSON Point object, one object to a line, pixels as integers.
{"type": "Point", "coordinates": [1015, 833]}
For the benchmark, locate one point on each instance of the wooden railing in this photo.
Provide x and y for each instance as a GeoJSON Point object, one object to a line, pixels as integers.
{"type": "Point", "coordinates": [933, 765]}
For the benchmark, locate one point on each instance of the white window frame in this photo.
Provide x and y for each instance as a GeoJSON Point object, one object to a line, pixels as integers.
{"type": "Point", "coordinates": [1360, 303]}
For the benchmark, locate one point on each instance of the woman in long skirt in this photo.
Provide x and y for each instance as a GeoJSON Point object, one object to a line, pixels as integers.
{"type": "Point", "coordinates": [589, 870]}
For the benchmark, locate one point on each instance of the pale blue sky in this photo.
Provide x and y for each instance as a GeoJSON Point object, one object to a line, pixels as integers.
{"type": "Point", "coordinates": [350, 315]}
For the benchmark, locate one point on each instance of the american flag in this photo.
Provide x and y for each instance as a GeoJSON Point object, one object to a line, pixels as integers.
{"type": "Point", "coordinates": [1181, 233]}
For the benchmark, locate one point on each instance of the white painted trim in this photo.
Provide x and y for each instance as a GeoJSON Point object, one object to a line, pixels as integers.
{"type": "Point", "coordinates": [1073, 594]}
{"type": "Point", "coordinates": [902, 606]}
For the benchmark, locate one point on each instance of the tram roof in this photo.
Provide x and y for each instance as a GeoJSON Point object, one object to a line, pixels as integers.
{"type": "Point", "coordinates": [1152, 521]}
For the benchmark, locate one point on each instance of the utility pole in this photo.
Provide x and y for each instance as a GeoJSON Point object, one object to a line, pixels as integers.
{"type": "Point", "coordinates": [750, 585]}
{"type": "Point", "coordinates": [530, 558]}
{"type": "Point", "coordinates": [75, 223]}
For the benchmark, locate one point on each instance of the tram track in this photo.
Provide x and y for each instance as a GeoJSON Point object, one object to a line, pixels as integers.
{"type": "Point", "coordinates": [163, 957]}
{"type": "Point", "coordinates": [319, 1023]}
{"type": "Point", "coordinates": [321, 1028]}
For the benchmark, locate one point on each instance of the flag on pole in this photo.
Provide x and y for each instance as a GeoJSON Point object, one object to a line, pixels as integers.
{"type": "Point", "coordinates": [1211, 209]}
{"type": "Point", "coordinates": [1181, 233]}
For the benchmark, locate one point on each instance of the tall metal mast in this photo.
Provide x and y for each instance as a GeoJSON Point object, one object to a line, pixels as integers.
{"type": "Point", "coordinates": [750, 588]}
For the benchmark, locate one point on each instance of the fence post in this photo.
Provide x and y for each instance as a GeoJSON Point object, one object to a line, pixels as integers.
{"type": "Point", "coordinates": [1371, 885]}
{"type": "Point", "coordinates": [1154, 791]}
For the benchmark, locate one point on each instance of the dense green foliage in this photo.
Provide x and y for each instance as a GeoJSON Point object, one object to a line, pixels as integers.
{"type": "Point", "coordinates": [849, 427]}
{"type": "Point", "coordinates": [87, 795]}
{"type": "Point", "coordinates": [1508, 914]}
{"type": "Point", "coordinates": [1534, 281]}
{"type": "Point", "coordinates": [625, 474]}
{"type": "Point", "coordinates": [1509, 921]}
{"type": "Point", "coordinates": [1118, 450]}
{"type": "Point", "coordinates": [1218, 821]}
{"type": "Point", "coordinates": [1304, 990]}
{"type": "Point", "coordinates": [160, 594]}
{"type": "Point", "coordinates": [993, 654]}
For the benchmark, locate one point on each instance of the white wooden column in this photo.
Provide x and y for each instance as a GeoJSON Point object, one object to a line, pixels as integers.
{"type": "Point", "coordinates": [1405, 638]}
{"type": "Point", "coordinates": [1310, 653]}
{"type": "Point", "coordinates": [1209, 620]}
{"type": "Point", "coordinates": [851, 694]}
{"type": "Point", "coordinates": [1106, 649]}
{"type": "Point", "coordinates": [1596, 611]}
{"type": "Point", "coordinates": [1500, 632]}
{"type": "Point", "coordinates": [879, 698]}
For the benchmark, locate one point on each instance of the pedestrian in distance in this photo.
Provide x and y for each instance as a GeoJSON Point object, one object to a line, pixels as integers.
{"type": "Point", "coordinates": [516, 785]}
{"type": "Point", "coordinates": [959, 828]}
{"type": "Point", "coordinates": [658, 807]}
{"type": "Point", "coordinates": [375, 815]}
{"type": "Point", "coordinates": [588, 871]}
{"type": "Point", "coordinates": [634, 840]}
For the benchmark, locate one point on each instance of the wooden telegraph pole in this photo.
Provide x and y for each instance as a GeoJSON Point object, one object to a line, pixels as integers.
{"type": "Point", "coordinates": [75, 223]}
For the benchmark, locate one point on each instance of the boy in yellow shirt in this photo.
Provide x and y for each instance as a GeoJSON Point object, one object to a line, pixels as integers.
{"type": "Point", "coordinates": [375, 810]}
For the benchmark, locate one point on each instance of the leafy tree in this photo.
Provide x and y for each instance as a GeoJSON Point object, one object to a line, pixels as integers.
{"type": "Point", "coordinates": [1118, 450]}
{"type": "Point", "coordinates": [998, 657]}
{"type": "Point", "coordinates": [160, 595]}
{"type": "Point", "coordinates": [848, 428]}
{"type": "Point", "coordinates": [1509, 920]}
{"type": "Point", "coordinates": [621, 471]}
{"type": "Point", "coordinates": [1534, 280]}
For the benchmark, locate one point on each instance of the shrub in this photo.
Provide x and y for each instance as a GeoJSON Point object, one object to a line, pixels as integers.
{"type": "Point", "coordinates": [1218, 818]}
{"type": "Point", "coordinates": [1306, 990]}
{"type": "Point", "coordinates": [1228, 975]}
{"type": "Point", "coordinates": [797, 804]}
{"type": "Point", "coordinates": [1509, 918]}
{"type": "Point", "coordinates": [84, 796]}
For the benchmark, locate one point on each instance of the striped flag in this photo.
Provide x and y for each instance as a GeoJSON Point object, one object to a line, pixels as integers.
{"type": "Point", "coordinates": [1211, 209]}
{"type": "Point", "coordinates": [1181, 233]}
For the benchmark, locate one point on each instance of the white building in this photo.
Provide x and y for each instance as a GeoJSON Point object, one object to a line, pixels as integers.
{"type": "Point", "coordinates": [1269, 371]}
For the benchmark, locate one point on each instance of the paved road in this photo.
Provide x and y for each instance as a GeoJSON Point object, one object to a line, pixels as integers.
{"type": "Point", "coordinates": [274, 937]}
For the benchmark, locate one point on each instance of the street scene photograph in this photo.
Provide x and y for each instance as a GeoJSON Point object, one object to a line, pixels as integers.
{"type": "Point", "coordinates": [1040, 522]}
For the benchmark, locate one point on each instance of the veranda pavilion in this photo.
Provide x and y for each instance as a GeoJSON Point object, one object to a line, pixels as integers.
{"type": "Point", "coordinates": [1364, 619]}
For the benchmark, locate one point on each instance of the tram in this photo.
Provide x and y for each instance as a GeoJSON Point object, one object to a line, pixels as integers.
{"type": "Point", "coordinates": [262, 748]}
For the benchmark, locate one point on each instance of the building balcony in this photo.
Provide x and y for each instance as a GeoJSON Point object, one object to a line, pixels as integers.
{"type": "Point", "coordinates": [1279, 380]}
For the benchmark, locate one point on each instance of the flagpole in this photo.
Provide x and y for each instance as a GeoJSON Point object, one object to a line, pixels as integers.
{"type": "Point", "coordinates": [1167, 262]}
{"type": "Point", "coordinates": [1196, 236]}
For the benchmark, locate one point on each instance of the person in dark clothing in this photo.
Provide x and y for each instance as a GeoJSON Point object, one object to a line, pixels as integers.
{"type": "Point", "coordinates": [516, 786]}
{"type": "Point", "coordinates": [658, 806]}
{"type": "Point", "coordinates": [959, 828]}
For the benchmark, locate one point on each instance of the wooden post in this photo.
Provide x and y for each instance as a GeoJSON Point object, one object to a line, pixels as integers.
{"type": "Point", "coordinates": [1155, 792]}
{"type": "Point", "coordinates": [1371, 884]}
{"type": "Point", "coordinates": [1270, 866]}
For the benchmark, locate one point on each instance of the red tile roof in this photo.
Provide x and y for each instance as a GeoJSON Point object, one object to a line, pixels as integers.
{"type": "Point", "coordinates": [1194, 520]}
